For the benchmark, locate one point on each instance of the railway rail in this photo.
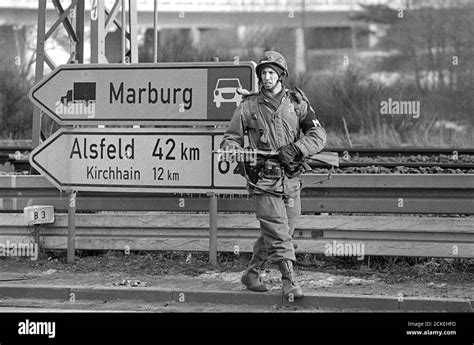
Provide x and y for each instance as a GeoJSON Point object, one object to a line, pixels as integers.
{"type": "Point", "coordinates": [23, 165]}
{"type": "Point", "coordinates": [400, 151]}
{"type": "Point", "coordinates": [10, 146]}
{"type": "Point", "coordinates": [15, 156]}
{"type": "Point", "coordinates": [463, 166]}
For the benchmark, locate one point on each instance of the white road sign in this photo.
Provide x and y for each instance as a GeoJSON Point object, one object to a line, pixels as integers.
{"type": "Point", "coordinates": [144, 93]}
{"type": "Point", "coordinates": [131, 160]}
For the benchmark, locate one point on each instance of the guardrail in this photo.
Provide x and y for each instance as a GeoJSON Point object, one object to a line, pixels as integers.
{"type": "Point", "coordinates": [400, 235]}
{"type": "Point", "coordinates": [363, 235]}
{"type": "Point", "coordinates": [362, 193]}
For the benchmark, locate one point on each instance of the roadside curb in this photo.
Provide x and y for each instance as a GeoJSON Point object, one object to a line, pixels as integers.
{"type": "Point", "coordinates": [157, 295]}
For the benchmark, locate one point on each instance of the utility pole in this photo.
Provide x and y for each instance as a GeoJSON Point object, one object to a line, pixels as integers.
{"type": "Point", "coordinates": [74, 12]}
{"type": "Point", "coordinates": [73, 19]}
{"type": "Point", "coordinates": [155, 32]}
{"type": "Point", "coordinates": [300, 44]}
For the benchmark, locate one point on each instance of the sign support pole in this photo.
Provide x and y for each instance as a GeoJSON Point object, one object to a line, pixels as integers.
{"type": "Point", "coordinates": [71, 228]}
{"type": "Point", "coordinates": [155, 32]}
{"type": "Point", "coordinates": [37, 237]}
{"type": "Point", "coordinates": [212, 228]}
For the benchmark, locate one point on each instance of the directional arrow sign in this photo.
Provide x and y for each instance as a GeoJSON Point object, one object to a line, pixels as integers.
{"type": "Point", "coordinates": [144, 93]}
{"type": "Point", "coordinates": [130, 160]}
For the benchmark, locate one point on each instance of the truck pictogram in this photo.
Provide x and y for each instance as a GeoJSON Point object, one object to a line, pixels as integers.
{"type": "Point", "coordinates": [80, 93]}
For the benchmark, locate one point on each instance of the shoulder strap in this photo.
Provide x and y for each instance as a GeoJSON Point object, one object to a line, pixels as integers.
{"type": "Point", "coordinates": [298, 97]}
{"type": "Point", "coordinates": [249, 106]}
{"type": "Point", "coordinates": [252, 103]}
{"type": "Point", "coordinates": [301, 95]}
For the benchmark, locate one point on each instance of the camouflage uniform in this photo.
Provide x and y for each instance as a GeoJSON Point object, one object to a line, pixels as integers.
{"type": "Point", "coordinates": [270, 128]}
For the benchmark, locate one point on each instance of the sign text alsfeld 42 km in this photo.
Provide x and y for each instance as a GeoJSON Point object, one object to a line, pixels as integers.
{"type": "Point", "coordinates": [142, 160]}
{"type": "Point", "coordinates": [144, 93]}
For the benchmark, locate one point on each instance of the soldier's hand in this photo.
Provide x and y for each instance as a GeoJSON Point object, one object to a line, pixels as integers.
{"type": "Point", "coordinates": [289, 154]}
{"type": "Point", "coordinates": [232, 147]}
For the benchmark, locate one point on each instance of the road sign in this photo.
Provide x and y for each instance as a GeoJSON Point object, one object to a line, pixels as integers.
{"type": "Point", "coordinates": [130, 160]}
{"type": "Point", "coordinates": [144, 93]}
{"type": "Point", "coordinates": [224, 176]}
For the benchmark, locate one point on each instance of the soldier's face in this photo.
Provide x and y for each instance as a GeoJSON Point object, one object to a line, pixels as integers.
{"type": "Point", "coordinates": [269, 78]}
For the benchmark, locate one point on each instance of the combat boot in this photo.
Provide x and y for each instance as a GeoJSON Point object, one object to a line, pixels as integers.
{"type": "Point", "coordinates": [251, 277]}
{"type": "Point", "coordinates": [290, 286]}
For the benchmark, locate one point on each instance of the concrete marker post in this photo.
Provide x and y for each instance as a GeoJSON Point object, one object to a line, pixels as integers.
{"type": "Point", "coordinates": [71, 228]}
{"type": "Point", "coordinates": [37, 236]}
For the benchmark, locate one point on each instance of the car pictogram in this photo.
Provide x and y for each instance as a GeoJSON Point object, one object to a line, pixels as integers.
{"type": "Point", "coordinates": [226, 91]}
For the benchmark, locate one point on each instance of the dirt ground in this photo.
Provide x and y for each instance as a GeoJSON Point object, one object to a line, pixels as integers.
{"type": "Point", "coordinates": [385, 276]}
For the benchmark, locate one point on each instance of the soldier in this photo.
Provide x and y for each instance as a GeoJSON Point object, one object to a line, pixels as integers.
{"type": "Point", "coordinates": [274, 118]}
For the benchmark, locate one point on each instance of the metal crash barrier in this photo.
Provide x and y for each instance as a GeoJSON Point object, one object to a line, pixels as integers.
{"type": "Point", "coordinates": [181, 221]}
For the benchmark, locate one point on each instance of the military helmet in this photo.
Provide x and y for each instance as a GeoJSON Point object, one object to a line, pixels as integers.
{"type": "Point", "coordinates": [272, 58]}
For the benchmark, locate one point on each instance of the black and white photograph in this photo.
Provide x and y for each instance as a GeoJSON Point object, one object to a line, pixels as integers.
{"type": "Point", "coordinates": [236, 172]}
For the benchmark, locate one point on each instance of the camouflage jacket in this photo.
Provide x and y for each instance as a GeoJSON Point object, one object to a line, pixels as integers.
{"type": "Point", "coordinates": [270, 128]}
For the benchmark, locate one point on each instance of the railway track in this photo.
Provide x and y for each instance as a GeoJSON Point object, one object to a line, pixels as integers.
{"type": "Point", "coordinates": [460, 165]}
{"type": "Point", "coordinates": [10, 146]}
{"type": "Point", "coordinates": [14, 157]}
{"type": "Point", "coordinates": [407, 151]}
{"type": "Point", "coordinates": [24, 165]}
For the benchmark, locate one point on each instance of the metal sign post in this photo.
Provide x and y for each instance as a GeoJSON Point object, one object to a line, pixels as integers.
{"type": "Point", "coordinates": [212, 228]}
{"type": "Point", "coordinates": [71, 228]}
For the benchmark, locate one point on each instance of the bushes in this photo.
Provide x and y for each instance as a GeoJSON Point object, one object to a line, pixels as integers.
{"type": "Point", "coordinates": [352, 95]}
{"type": "Point", "coordinates": [348, 94]}
{"type": "Point", "coordinates": [15, 107]}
